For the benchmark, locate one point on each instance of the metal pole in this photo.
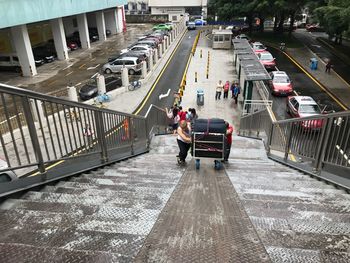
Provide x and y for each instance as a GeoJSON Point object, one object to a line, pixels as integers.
{"type": "Point", "coordinates": [101, 135]}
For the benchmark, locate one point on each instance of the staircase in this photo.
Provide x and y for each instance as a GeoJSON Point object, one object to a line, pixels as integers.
{"type": "Point", "coordinates": [106, 215]}
{"type": "Point", "coordinates": [101, 216]}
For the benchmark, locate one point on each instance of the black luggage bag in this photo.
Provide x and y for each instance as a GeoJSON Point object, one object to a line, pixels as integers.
{"type": "Point", "coordinates": [209, 126]}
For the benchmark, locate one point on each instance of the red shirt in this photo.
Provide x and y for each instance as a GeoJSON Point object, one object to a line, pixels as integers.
{"type": "Point", "coordinates": [229, 132]}
{"type": "Point", "coordinates": [182, 115]}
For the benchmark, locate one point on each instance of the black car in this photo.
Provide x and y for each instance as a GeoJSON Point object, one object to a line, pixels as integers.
{"type": "Point", "coordinates": [140, 56]}
{"type": "Point", "coordinates": [44, 54]}
{"type": "Point", "coordinates": [90, 90]}
{"type": "Point", "coordinates": [93, 35]}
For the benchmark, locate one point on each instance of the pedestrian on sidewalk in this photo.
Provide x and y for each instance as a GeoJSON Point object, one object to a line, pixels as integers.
{"type": "Point", "coordinates": [328, 66]}
{"type": "Point", "coordinates": [226, 89]}
{"type": "Point", "coordinates": [182, 114]}
{"type": "Point", "coordinates": [236, 91]}
{"type": "Point", "coordinates": [172, 114]}
{"type": "Point", "coordinates": [219, 88]}
{"type": "Point", "coordinates": [228, 141]}
{"type": "Point", "coordinates": [184, 141]}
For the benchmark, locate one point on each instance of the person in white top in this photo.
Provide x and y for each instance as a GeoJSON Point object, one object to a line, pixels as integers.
{"type": "Point", "coordinates": [184, 141]}
{"type": "Point", "coordinates": [219, 88]}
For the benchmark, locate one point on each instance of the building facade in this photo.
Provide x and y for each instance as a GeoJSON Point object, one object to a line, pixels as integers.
{"type": "Point", "coordinates": [25, 23]}
{"type": "Point", "coordinates": [134, 7]}
{"type": "Point", "coordinates": [177, 8]}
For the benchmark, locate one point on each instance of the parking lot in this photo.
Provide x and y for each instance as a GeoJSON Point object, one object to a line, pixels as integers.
{"type": "Point", "coordinates": [53, 78]}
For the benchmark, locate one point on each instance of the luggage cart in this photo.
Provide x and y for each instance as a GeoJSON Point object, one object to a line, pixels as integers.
{"type": "Point", "coordinates": [208, 146]}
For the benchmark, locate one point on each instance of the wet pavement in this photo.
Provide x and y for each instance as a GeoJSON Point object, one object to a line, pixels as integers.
{"type": "Point", "coordinates": [53, 78]}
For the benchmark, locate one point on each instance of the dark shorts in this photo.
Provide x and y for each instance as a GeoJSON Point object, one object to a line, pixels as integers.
{"type": "Point", "coordinates": [175, 125]}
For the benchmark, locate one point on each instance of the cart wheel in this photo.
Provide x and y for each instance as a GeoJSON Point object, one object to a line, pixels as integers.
{"type": "Point", "coordinates": [198, 163]}
{"type": "Point", "coordinates": [217, 165]}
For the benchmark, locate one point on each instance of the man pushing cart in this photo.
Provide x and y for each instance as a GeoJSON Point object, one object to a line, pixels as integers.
{"type": "Point", "coordinates": [208, 141]}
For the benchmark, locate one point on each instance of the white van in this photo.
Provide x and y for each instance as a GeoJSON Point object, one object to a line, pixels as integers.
{"type": "Point", "coordinates": [9, 62]}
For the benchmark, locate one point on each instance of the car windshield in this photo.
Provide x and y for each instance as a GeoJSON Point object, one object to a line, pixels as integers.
{"type": "Point", "coordinates": [259, 47]}
{"type": "Point", "coordinates": [266, 56]}
{"type": "Point", "coordinates": [281, 79]}
{"type": "Point", "coordinates": [309, 109]}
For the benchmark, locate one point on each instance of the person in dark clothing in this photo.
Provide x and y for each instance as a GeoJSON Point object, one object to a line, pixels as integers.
{"type": "Point", "coordinates": [328, 66]}
{"type": "Point", "coordinates": [184, 141]}
{"type": "Point", "coordinates": [236, 91]}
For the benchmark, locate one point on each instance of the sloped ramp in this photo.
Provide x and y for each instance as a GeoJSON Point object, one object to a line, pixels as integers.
{"type": "Point", "coordinates": [203, 221]}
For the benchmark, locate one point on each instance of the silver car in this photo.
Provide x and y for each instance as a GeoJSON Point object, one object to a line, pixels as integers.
{"type": "Point", "coordinates": [133, 65]}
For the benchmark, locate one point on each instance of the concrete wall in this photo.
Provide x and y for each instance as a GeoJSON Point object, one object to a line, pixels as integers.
{"type": "Point", "coordinates": [18, 12]}
{"type": "Point", "coordinates": [146, 18]}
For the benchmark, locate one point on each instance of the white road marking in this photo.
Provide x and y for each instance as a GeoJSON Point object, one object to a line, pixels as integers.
{"type": "Point", "coordinates": [68, 66]}
{"type": "Point", "coordinates": [93, 75]}
{"type": "Point", "coordinates": [93, 67]}
{"type": "Point", "coordinates": [78, 84]}
{"type": "Point", "coordinates": [69, 73]}
{"type": "Point", "coordinates": [318, 46]}
{"type": "Point", "coordinates": [161, 96]}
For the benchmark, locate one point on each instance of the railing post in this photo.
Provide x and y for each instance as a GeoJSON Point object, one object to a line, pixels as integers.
{"type": "Point", "coordinates": [101, 135]}
{"type": "Point", "coordinates": [269, 140]}
{"type": "Point", "coordinates": [323, 144]}
{"type": "Point", "coordinates": [147, 132]}
{"type": "Point", "coordinates": [34, 137]}
{"type": "Point", "coordinates": [131, 134]}
{"type": "Point", "coordinates": [288, 142]}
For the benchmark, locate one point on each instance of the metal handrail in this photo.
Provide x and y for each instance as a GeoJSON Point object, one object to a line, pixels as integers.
{"type": "Point", "coordinates": [46, 137]}
{"type": "Point", "coordinates": [320, 144]}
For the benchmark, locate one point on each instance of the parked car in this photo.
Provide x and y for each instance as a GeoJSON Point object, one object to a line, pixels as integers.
{"type": "Point", "coordinates": [140, 49]}
{"type": "Point", "coordinates": [6, 176]}
{"type": "Point", "coordinates": [258, 47]}
{"type": "Point", "coordinates": [71, 45]}
{"type": "Point", "coordinates": [162, 27]}
{"type": "Point", "coordinates": [89, 90]}
{"type": "Point", "coordinates": [280, 83]}
{"type": "Point", "coordinates": [44, 54]}
{"type": "Point", "coordinates": [200, 22]}
{"type": "Point", "coordinates": [314, 28]}
{"type": "Point", "coordinates": [163, 32]}
{"type": "Point", "coordinates": [149, 42]}
{"type": "Point", "coordinates": [155, 39]}
{"type": "Point", "coordinates": [191, 26]}
{"type": "Point", "coordinates": [304, 106]}
{"type": "Point", "coordinates": [9, 62]}
{"type": "Point", "coordinates": [267, 60]}
{"type": "Point", "coordinates": [140, 56]}
{"type": "Point", "coordinates": [170, 24]}
{"type": "Point", "coordinates": [131, 63]}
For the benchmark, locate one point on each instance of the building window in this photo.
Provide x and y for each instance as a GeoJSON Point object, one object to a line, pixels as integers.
{"type": "Point", "coordinates": [219, 38]}
{"type": "Point", "coordinates": [126, 7]}
{"type": "Point", "coordinates": [227, 38]}
{"type": "Point", "coordinates": [174, 18]}
{"type": "Point", "coordinates": [133, 6]}
{"type": "Point", "coordinates": [143, 6]}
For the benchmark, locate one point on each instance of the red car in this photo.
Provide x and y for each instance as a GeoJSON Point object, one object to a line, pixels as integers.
{"type": "Point", "coordinates": [267, 60]}
{"type": "Point", "coordinates": [258, 47]}
{"type": "Point", "coordinates": [280, 83]}
{"type": "Point", "coordinates": [305, 106]}
{"type": "Point", "coordinates": [72, 46]}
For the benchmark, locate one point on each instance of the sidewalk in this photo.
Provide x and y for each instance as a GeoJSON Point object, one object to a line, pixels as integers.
{"type": "Point", "coordinates": [333, 83]}
{"type": "Point", "coordinates": [220, 68]}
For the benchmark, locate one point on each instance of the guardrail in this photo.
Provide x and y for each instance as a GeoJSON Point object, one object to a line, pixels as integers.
{"type": "Point", "coordinates": [319, 144]}
{"type": "Point", "coordinates": [47, 138]}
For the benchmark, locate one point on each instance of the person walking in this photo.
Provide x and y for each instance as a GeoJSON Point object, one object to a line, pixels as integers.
{"type": "Point", "coordinates": [184, 141]}
{"type": "Point", "coordinates": [328, 66]}
{"type": "Point", "coordinates": [219, 88]}
{"type": "Point", "coordinates": [236, 91]}
{"type": "Point", "coordinates": [232, 88]}
{"type": "Point", "coordinates": [228, 141]}
{"type": "Point", "coordinates": [172, 114]}
{"type": "Point", "coordinates": [226, 89]}
{"type": "Point", "coordinates": [182, 114]}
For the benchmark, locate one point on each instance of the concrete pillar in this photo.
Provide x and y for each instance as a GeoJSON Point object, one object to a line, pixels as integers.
{"type": "Point", "coordinates": [111, 21]}
{"type": "Point", "coordinates": [72, 93]}
{"type": "Point", "coordinates": [83, 31]}
{"type": "Point", "coordinates": [125, 77]}
{"type": "Point", "coordinates": [119, 19]}
{"type": "Point", "coordinates": [101, 84]}
{"type": "Point", "coordinates": [38, 111]}
{"type": "Point", "coordinates": [101, 26]}
{"type": "Point", "coordinates": [168, 39]}
{"type": "Point", "coordinates": [144, 69]}
{"type": "Point", "coordinates": [24, 50]}
{"type": "Point", "coordinates": [150, 61]}
{"type": "Point", "coordinates": [160, 51]}
{"type": "Point", "coordinates": [155, 55]}
{"type": "Point", "coordinates": [59, 38]}
{"type": "Point", "coordinates": [163, 47]}
{"type": "Point", "coordinates": [166, 42]}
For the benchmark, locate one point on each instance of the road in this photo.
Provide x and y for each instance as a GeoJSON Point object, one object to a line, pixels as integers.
{"type": "Point", "coordinates": [172, 75]}
{"type": "Point", "coordinates": [303, 85]}
{"type": "Point", "coordinates": [309, 39]}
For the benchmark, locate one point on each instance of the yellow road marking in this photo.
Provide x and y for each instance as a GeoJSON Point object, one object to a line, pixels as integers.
{"type": "Point", "coordinates": [52, 82]}
{"type": "Point", "coordinates": [317, 82]}
{"type": "Point", "coordinates": [82, 66]}
{"type": "Point", "coordinates": [159, 76]}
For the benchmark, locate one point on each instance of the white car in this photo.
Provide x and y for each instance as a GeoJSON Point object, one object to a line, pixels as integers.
{"type": "Point", "coordinates": [144, 49]}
